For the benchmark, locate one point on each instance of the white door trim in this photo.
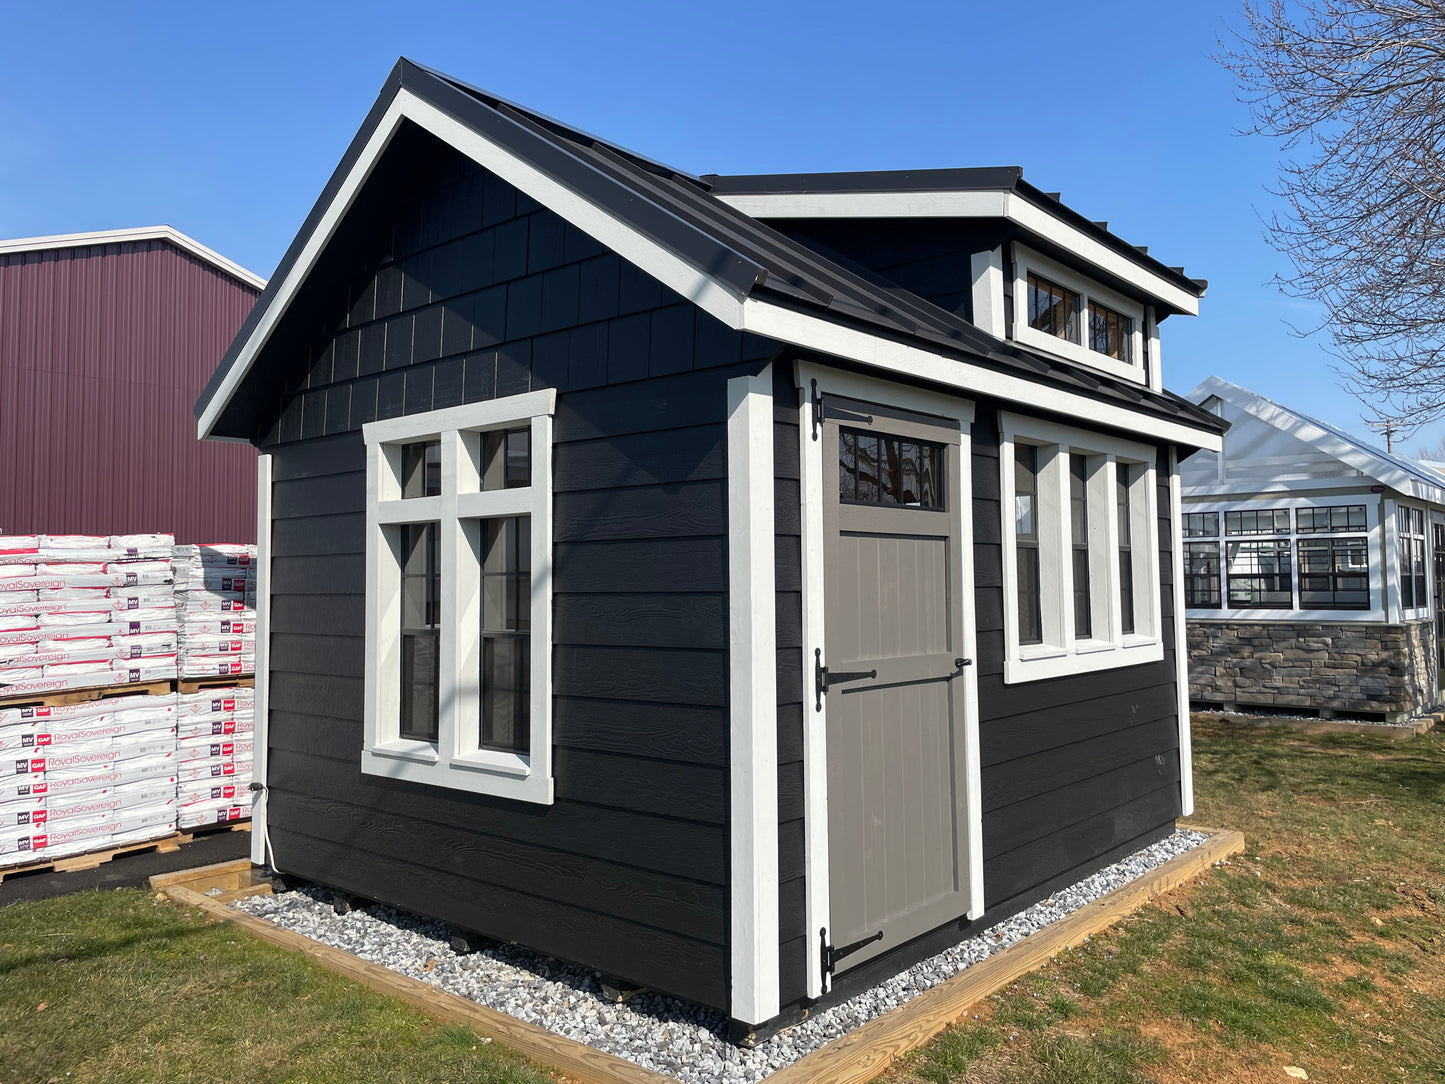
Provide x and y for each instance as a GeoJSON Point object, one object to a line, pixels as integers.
{"type": "Point", "coordinates": [755, 994]}
{"type": "Point", "coordinates": [815, 722]}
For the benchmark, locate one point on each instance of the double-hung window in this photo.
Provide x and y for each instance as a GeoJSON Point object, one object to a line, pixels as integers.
{"type": "Point", "coordinates": [1258, 569]}
{"type": "Point", "coordinates": [1081, 565]}
{"type": "Point", "coordinates": [458, 604]}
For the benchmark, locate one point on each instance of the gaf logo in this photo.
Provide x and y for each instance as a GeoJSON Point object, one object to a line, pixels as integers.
{"type": "Point", "coordinates": [30, 765]}
{"type": "Point", "coordinates": [227, 791]}
{"type": "Point", "coordinates": [33, 816]}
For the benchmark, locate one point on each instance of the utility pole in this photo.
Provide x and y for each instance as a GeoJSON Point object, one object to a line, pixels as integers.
{"type": "Point", "coordinates": [1388, 426]}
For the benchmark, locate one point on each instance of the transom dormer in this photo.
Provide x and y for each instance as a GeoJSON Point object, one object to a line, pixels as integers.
{"type": "Point", "coordinates": [990, 248]}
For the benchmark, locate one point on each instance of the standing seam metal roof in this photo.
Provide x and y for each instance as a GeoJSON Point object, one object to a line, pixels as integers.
{"type": "Point", "coordinates": [678, 211]}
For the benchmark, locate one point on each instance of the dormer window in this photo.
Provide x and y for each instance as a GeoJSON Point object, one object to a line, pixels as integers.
{"type": "Point", "coordinates": [1109, 332]}
{"type": "Point", "coordinates": [1053, 309]}
{"type": "Point", "coordinates": [1064, 313]}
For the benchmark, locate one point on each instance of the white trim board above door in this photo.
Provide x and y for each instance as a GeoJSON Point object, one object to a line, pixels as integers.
{"type": "Point", "coordinates": [814, 380]}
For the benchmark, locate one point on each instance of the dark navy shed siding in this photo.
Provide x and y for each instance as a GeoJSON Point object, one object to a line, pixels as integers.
{"type": "Point", "coordinates": [472, 291]}
{"type": "Point", "coordinates": [103, 349]}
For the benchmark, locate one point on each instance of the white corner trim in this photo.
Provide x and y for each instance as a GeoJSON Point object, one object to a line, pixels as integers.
{"type": "Point", "coordinates": [911, 362]}
{"type": "Point", "coordinates": [967, 204]}
{"type": "Point", "coordinates": [972, 752]}
{"type": "Point", "coordinates": [752, 681]}
{"type": "Point", "coordinates": [1181, 642]}
{"type": "Point", "coordinates": [168, 234]}
{"type": "Point", "coordinates": [613, 233]}
{"type": "Point", "coordinates": [260, 840]}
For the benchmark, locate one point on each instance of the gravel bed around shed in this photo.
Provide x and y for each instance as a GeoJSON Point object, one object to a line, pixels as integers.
{"type": "Point", "coordinates": [656, 1031]}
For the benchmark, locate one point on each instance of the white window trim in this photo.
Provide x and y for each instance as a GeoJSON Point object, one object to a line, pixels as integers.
{"type": "Point", "coordinates": [1026, 260]}
{"type": "Point", "coordinates": [1375, 613]}
{"type": "Point", "coordinates": [1061, 653]}
{"type": "Point", "coordinates": [1412, 613]}
{"type": "Point", "coordinates": [453, 761]}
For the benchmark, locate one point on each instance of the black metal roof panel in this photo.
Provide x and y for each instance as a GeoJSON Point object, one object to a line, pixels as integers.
{"type": "Point", "coordinates": [678, 212]}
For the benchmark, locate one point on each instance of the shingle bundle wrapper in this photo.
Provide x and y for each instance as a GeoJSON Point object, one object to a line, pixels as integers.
{"type": "Point", "coordinates": [87, 776]}
{"type": "Point", "coordinates": [215, 749]}
{"type": "Point", "coordinates": [216, 609]}
{"type": "Point", "coordinates": [80, 611]}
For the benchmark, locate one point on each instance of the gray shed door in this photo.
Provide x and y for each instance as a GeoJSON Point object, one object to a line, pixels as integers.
{"type": "Point", "coordinates": [897, 837]}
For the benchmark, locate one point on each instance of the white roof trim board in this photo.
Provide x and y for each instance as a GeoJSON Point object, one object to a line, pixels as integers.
{"type": "Point", "coordinates": [1397, 472]}
{"type": "Point", "coordinates": [710, 294]}
{"type": "Point", "coordinates": [970, 204]}
{"type": "Point", "coordinates": [139, 233]}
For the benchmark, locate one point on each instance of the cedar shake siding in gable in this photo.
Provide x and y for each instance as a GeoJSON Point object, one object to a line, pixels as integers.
{"type": "Point", "coordinates": [472, 291]}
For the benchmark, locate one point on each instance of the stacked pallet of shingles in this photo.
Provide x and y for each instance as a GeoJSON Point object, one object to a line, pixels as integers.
{"type": "Point", "coordinates": [215, 748]}
{"type": "Point", "coordinates": [216, 608]}
{"type": "Point", "coordinates": [80, 611]}
{"type": "Point", "coordinates": [86, 777]}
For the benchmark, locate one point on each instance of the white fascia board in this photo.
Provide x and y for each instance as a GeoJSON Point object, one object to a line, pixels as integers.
{"type": "Point", "coordinates": [901, 359]}
{"type": "Point", "coordinates": [1358, 456]}
{"type": "Point", "coordinates": [755, 993]}
{"type": "Point", "coordinates": [139, 233]}
{"type": "Point", "coordinates": [976, 204]}
{"type": "Point", "coordinates": [608, 230]}
{"type": "Point", "coordinates": [1301, 487]}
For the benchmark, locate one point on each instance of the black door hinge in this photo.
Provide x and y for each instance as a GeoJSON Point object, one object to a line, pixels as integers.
{"type": "Point", "coordinates": [832, 955]}
{"type": "Point", "coordinates": [817, 409]}
{"type": "Point", "coordinates": [822, 678]}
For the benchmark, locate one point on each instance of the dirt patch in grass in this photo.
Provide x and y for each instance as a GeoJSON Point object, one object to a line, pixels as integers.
{"type": "Point", "coordinates": [120, 987]}
{"type": "Point", "coordinates": [1321, 949]}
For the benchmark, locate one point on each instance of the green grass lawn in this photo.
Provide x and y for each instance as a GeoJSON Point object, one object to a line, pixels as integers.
{"type": "Point", "coordinates": [1319, 949]}
{"type": "Point", "coordinates": [120, 986]}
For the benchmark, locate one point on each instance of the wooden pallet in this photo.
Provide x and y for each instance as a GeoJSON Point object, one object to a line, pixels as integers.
{"type": "Point", "coordinates": [196, 685]}
{"type": "Point", "coordinates": [92, 859]}
{"type": "Point", "coordinates": [67, 697]}
{"type": "Point", "coordinates": [190, 835]}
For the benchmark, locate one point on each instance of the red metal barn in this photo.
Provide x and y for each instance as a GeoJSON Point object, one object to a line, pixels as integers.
{"type": "Point", "coordinates": [106, 339]}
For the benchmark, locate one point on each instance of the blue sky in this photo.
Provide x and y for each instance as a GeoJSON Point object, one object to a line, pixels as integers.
{"type": "Point", "coordinates": [226, 120]}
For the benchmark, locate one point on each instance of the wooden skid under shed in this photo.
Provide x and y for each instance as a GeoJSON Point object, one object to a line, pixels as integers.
{"type": "Point", "coordinates": [855, 1058]}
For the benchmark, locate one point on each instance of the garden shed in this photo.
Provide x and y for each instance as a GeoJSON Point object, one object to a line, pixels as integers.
{"type": "Point", "coordinates": [1314, 566]}
{"type": "Point", "coordinates": [741, 586]}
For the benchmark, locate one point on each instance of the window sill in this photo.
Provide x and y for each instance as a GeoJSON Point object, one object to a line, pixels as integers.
{"type": "Point", "coordinates": [419, 752]}
{"type": "Point", "coordinates": [1019, 667]}
{"type": "Point", "coordinates": [486, 760]}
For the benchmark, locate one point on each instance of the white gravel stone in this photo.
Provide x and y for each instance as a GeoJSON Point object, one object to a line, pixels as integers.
{"type": "Point", "coordinates": [653, 1030]}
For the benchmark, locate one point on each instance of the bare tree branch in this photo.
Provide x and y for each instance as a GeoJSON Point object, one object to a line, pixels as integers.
{"type": "Point", "coordinates": [1354, 90]}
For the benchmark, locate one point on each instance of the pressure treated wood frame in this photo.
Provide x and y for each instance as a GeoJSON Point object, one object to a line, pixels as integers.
{"type": "Point", "coordinates": [856, 1058]}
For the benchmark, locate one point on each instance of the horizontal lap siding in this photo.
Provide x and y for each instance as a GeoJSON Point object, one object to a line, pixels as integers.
{"type": "Point", "coordinates": [1072, 767]}
{"type": "Point", "coordinates": [787, 519]}
{"type": "Point", "coordinates": [476, 292]}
